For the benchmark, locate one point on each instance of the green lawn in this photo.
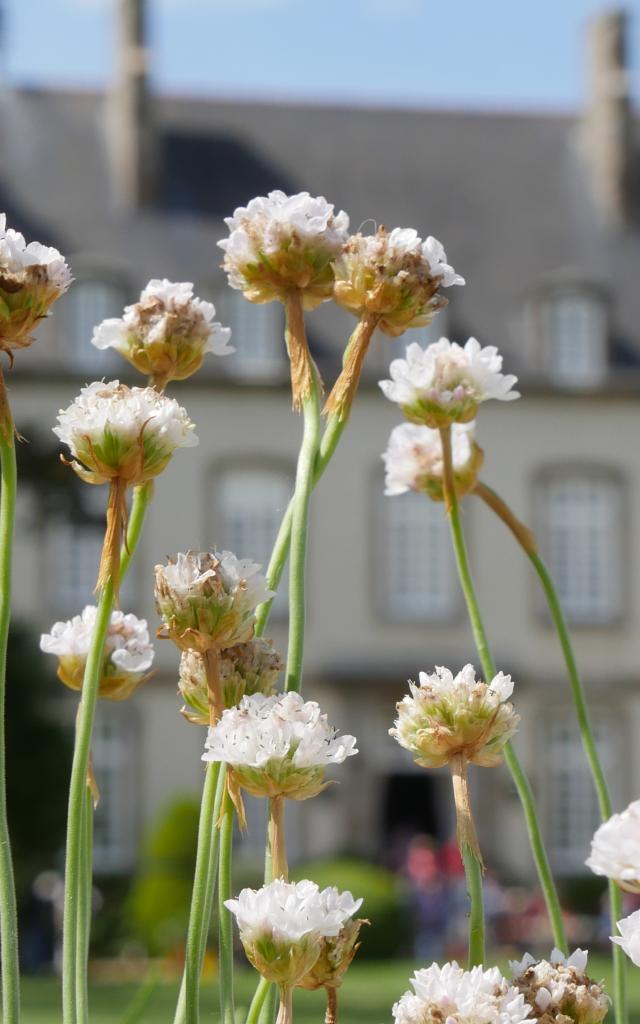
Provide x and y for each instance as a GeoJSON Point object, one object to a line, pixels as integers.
{"type": "Point", "coordinates": [367, 996]}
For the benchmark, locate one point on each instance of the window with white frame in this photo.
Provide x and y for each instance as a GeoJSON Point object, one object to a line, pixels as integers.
{"type": "Point", "coordinates": [582, 535]}
{"type": "Point", "coordinates": [249, 504]}
{"type": "Point", "coordinates": [572, 806]}
{"type": "Point", "coordinates": [90, 301]}
{"type": "Point", "coordinates": [257, 335]}
{"type": "Point", "coordinates": [418, 579]}
{"type": "Point", "coordinates": [575, 332]}
{"type": "Point", "coordinates": [115, 818]}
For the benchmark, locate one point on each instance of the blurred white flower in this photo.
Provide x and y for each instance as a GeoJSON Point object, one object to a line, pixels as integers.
{"type": "Point", "coordinates": [278, 746]}
{"type": "Point", "coordinates": [447, 715]}
{"type": "Point", "coordinates": [128, 652]}
{"type": "Point", "coordinates": [451, 995]}
{"type": "Point", "coordinates": [615, 848]}
{"type": "Point", "coordinates": [559, 988]}
{"type": "Point", "coordinates": [629, 937]}
{"type": "Point", "coordinates": [208, 599]}
{"type": "Point", "coordinates": [115, 431]}
{"type": "Point", "coordinates": [167, 333]}
{"type": "Point", "coordinates": [446, 382]}
{"type": "Point", "coordinates": [413, 460]}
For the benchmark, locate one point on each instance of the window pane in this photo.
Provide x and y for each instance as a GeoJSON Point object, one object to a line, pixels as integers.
{"type": "Point", "coordinates": [250, 504]}
{"type": "Point", "coordinates": [87, 304]}
{"type": "Point", "coordinates": [583, 542]}
{"type": "Point", "coordinates": [576, 329]}
{"type": "Point", "coordinates": [114, 824]}
{"type": "Point", "coordinates": [72, 566]}
{"type": "Point", "coordinates": [257, 334]}
{"type": "Point", "coordinates": [418, 579]}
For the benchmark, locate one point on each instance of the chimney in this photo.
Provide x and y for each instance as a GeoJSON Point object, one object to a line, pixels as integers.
{"type": "Point", "coordinates": [132, 137]}
{"type": "Point", "coordinates": [608, 120]}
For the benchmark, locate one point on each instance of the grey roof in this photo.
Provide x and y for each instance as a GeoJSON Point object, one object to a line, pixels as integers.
{"type": "Point", "coordinates": [508, 194]}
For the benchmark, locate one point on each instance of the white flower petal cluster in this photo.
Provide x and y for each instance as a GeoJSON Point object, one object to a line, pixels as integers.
{"type": "Point", "coordinates": [117, 431]}
{"type": "Point", "coordinates": [251, 667]}
{"type": "Point", "coordinates": [32, 277]}
{"type": "Point", "coordinates": [167, 333]}
{"type": "Point", "coordinates": [208, 599]}
{"type": "Point", "coordinates": [447, 715]}
{"type": "Point", "coordinates": [446, 382]}
{"type": "Point", "coordinates": [615, 848]}
{"type": "Point", "coordinates": [455, 996]}
{"type": "Point", "coordinates": [278, 746]}
{"type": "Point", "coordinates": [279, 242]}
{"type": "Point", "coordinates": [128, 652]}
{"type": "Point", "coordinates": [413, 460]}
{"type": "Point", "coordinates": [629, 937]}
{"type": "Point", "coordinates": [559, 988]}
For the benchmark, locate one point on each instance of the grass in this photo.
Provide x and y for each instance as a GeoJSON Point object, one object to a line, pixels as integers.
{"type": "Point", "coordinates": [367, 996]}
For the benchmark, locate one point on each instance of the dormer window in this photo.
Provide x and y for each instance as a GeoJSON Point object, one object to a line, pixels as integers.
{"type": "Point", "coordinates": [90, 301]}
{"type": "Point", "coordinates": [575, 328]}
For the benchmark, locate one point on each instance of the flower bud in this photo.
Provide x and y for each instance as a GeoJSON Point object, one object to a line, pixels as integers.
{"type": "Point", "coordinates": [278, 746]}
{"type": "Point", "coordinates": [413, 460]}
{"type": "Point", "coordinates": [448, 716]}
{"type": "Point", "coordinates": [32, 277]}
{"type": "Point", "coordinates": [559, 990]}
{"type": "Point", "coordinates": [208, 600]}
{"type": "Point", "coordinates": [445, 383]}
{"type": "Point", "coordinates": [448, 994]}
{"type": "Point", "coordinates": [336, 954]}
{"type": "Point", "coordinates": [615, 849]}
{"type": "Point", "coordinates": [166, 334]}
{"type": "Point", "coordinates": [128, 654]}
{"type": "Point", "coordinates": [252, 667]}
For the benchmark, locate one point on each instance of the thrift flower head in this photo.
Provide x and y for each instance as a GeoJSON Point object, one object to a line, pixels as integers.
{"type": "Point", "coordinates": [167, 333]}
{"type": "Point", "coordinates": [336, 955]}
{"type": "Point", "coordinates": [208, 600]}
{"type": "Point", "coordinates": [446, 382]}
{"type": "Point", "coordinates": [450, 994]}
{"type": "Point", "coordinates": [32, 277]}
{"type": "Point", "coordinates": [629, 937]}
{"type": "Point", "coordinates": [413, 460]}
{"type": "Point", "coordinates": [128, 653]}
{"type": "Point", "coordinates": [559, 990]}
{"type": "Point", "coordinates": [248, 668]}
{"type": "Point", "coordinates": [283, 924]}
{"type": "Point", "coordinates": [615, 849]}
{"type": "Point", "coordinates": [446, 715]}
{"type": "Point", "coordinates": [278, 243]}
{"type": "Point", "coordinates": [118, 432]}
{"type": "Point", "coordinates": [394, 276]}
{"type": "Point", "coordinates": [278, 746]}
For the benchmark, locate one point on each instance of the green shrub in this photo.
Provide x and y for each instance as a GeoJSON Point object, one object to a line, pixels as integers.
{"type": "Point", "coordinates": [385, 902]}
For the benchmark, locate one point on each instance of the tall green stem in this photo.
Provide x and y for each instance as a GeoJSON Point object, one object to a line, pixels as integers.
{"type": "Point", "coordinates": [299, 529]}
{"type": "Point", "coordinates": [527, 542]}
{"type": "Point", "coordinates": [488, 667]}
{"type": "Point", "coordinates": [261, 993]}
{"type": "Point", "coordinates": [8, 912]}
{"type": "Point", "coordinates": [225, 892]}
{"type": "Point", "coordinates": [142, 496]}
{"type": "Point", "coordinates": [85, 899]}
{"type": "Point", "coordinates": [471, 858]}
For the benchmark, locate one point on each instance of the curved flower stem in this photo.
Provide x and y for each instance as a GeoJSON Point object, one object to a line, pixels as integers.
{"type": "Point", "coordinates": [85, 900]}
{"type": "Point", "coordinates": [8, 912]}
{"type": "Point", "coordinates": [471, 858]}
{"type": "Point", "coordinates": [142, 496]}
{"type": "Point", "coordinates": [527, 542]}
{"type": "Point", "coordinates": [188, 1008]}
{"type": "Point", "coordinates": [344, 390]}
{"type": "Point", "coordinates": [75, 831]}
{"type": "Point", "coordinates": [299, 528]}
{"type": "Point", "coordinates": [488, 667]}
{"type": "Point", "coordinates": [258, 1001]}
{"type": "Point", "coordinates": [225, 892]}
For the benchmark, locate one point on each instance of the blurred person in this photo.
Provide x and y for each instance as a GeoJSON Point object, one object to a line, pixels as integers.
{"type": "Point", "coordinates": [430, 903]}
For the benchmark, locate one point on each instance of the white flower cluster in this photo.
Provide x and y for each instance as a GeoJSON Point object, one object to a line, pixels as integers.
{"type": "Point", "coordinates": [167, 333]}
{"type": "Point", "coordinates": [19, 259]}
{"type": "Point", "coordinates": [447, 715]}
{"type": "Point", "coordinates": [128, 652]}
{"type": "Point", "coordinates": [615, 848]}
{"type": "Point", "coordinates": [446, 382]}
{"type": "Point", "coordinates": [287, 911]}
{"type": "Point", "coordinates": [559, 988]}
{"type": "Point", "coordinates": [413, 460]}
{"type": "Point", "coordinates": [450, 994]}
{"type": "Point", "coordinates": [629, 937]}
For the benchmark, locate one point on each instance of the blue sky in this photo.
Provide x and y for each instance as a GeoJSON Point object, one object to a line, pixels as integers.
{"type": "Point", "coordinates": [513, 54]}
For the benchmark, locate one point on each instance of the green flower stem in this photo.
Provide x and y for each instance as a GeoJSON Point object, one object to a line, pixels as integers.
{"type": "Point", "coordinates": [8, 912]}
{"type": "Point", "coordinates": [527, 541]}
{"type": "Point", "coordinates": [471, 858]}
{"type": "Point", "coordinates": [142, 496]}
{"type": "Point", "coordinates": [488, 667]}
{"type": "Point", "coordinates": [299, 529]}
{"type": "Point", "coordinates": [85, 900]}
{"type": "Point", "coordinates": [75, 862]}
{"type": "Point", "coordinates": [225, 892]}
{"type": "Point", "coordinates": [188, 1009]}
{"type": "Point", "coordinates": [257, 1002]}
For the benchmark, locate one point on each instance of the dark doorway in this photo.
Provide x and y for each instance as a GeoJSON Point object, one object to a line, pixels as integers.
{"type": "Point", "coordinates": [412, 805]}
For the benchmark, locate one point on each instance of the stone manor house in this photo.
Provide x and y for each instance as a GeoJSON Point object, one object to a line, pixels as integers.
{"type": "Point", "coordinates": [540, 213]}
